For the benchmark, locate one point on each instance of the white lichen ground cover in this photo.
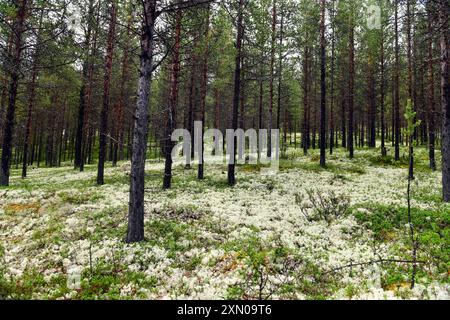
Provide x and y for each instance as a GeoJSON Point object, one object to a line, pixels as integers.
{"type": "Point", "coordinates": [205, 240]}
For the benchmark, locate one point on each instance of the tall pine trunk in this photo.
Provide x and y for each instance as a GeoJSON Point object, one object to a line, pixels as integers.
{"type": "Point", "coordinates": [201, 164]}
{"type": "Point", "coordinates": [431, 102]}
{"type": "Point", "coordinates": [280, 70]}
{"type": "Point", "coordinates": [106, 95]}
{"type": "Point", "coordinates": [79, 161]}
{"type": "Point", "coordinates": [351, 80]}
{"type": "Point", "coordinates": [382, 93]}
{"type": "Point", "coordinates": [236, 92]}
{"type": "Point", "coordinates": [18, 30]}
{"type": "Point", "coordinates": [119, 131]}
{"type": "Point", "coordinates": [445, 98]}
{"type": "Point", "coordinates": [173, 104]}
{"type": "Point", "coordinates": [135, 231]}
{"type": "Point", "coordinates": [305, 100]}
{"type": "Point", "coordinates": [333, 45]}
{"type": "Point", "coordinates": [31, 100]}
{"type": "Point", "coordinates": [396, 88]}
{"type": "Point", "coordinates": [271, 79]}
{"type": "Point", "coordinates": [323, 87]}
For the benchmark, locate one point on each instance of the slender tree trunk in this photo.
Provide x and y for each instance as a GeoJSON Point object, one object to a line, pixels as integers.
{"type": "Point", "coordinates": [241, 122]}
{"type": "Point", "coordinates": [343, 119]}
{"type": "Point", "coordinates": [271, 79]}
{"type": "Point", "coordinates": [445, 98]}
{"type": "Point", "coordinates": [382, 92]}
{"type": "Point", "coordinates": [371, 126]}
{"type": "Point", "coordinates": [217, 123]}
{"type": "Point", "coordinates": [18, 28]}
{"type": "Point", "coordinates": [5, 82]}
{"type": "Point", "coordinates": [396, 89]}
{"type": "Point", "coordinates": [323, 87]}
{"type": "Point", "coordinates": [106, 95]}
{"type": "Point", "coordinates": [305, 100]}
{"type": "Point", "coordinates": [280, 69]}
{"type": "Point", "coordinates": [260, 104]}
{"type": "Point", "coordinates": [260, 100]}
{"type": "Point", "coordinates": [192, 107]}
{"type": "Point", "coordinates": [431, 102]}
{"type": "Point", "coordinates": [118, 145]}
{"type": "Point", "coordinates": [173, 103]}
{"type": "Point", "coordinates": [237, 88]}
{"type": "Point", "coordinates": [31, 100]}
{"type": "Point", "coordinates": [81, 110]}
{"type": "Point", "coordinates": [351, 58]}
{"type": "Point", "coordinates": [201, 165]}
{"type": "Point", "coordinates": [333, 44]}
{"type": "Point", "coordinates": [135, 231]}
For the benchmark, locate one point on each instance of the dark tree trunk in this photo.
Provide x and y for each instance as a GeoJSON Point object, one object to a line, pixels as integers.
{"type": "Point", "coordinates": [305, 100]}
{"type": "Point", "coordinates": [431, 102]}
{"type": "Point", "coordinates": [260, 100]}
{"type": "Point", "coordinates": [372, 106]}
{"type": "Point", "coordinates": [396, 89]}
{"type": "Point", "coordinates": [217, 123]}
{"type": "Point", "coordinates": [280, 70]}
{"type": "Point", "coordinates": [237, 88]}
{"type": "Point", "coordinates": [343, 119]}
{"type": "Point", "coordinates": [201, 165]}
{"type": "Point", "coordinates": [173, 104]}
{"type": "Point", "coordinates": [18, 28]}
{"type": "Point", "coordinates": [79, 162]}
{"type": "Point", "coordinates": [118, 145]}
{"type": "Point", "coordinates": [323, 87]}
{"type": "Point", "coordinates": [333, 44]}
{"type": "Point", "coordinates": [445, 98]}
{"type": "Point", "coordinates": [135, 231]}
{"type": "Point", "coordinates": [241, 122]}
{"type": "Point", "coordinates": [351, 65]}
{"type": "Point", "coordinates": [382, 92]}
{"type": "Point", "coordinates": [31, 101]}
{"type": "Point", "coordinates": [271, 79]}
{"type": "Point", "coordinates": [192, 107]}
{"type": "Point", "coordinates": [106, 95]}
{"type": "Point", "coordinates": [5, 82]}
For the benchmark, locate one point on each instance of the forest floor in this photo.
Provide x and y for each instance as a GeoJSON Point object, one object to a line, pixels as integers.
{"type": "Point", "coordinates": [304, 233]}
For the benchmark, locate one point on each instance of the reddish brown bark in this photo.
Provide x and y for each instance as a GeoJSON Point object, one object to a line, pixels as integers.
{"type": "Point", "coordinates": [106, 94]}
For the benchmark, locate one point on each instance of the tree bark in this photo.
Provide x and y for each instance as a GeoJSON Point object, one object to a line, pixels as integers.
{"type": "Point", "coordinates": [351, 80]}
{"type": "Point", "coordinates": [431, 102]}
{"type": "Point", "coordinates": [79, 162]}
{"type": "Point", "coordinates": [305, 100]}
{"type": "Point", "coordinates": [445, 98]}
{"type": "Point", "coordinates": [271, 79]}
{"type": "Point", "coordinates": [382, 92]}
{"type": "Point", "coordinates": [121, 104]}
{"type": "Point", "coordinates": [201, 165]}
{"type": "Point", "coordinates": [396, 89]}
{"type": "Point", "coordinates": [135, 231]}
{"type": "Point", "coordinates": [236, 92]}
{"type": "Point", "coordinates": [19, 29]}
{"type": "Point", "coordinates": [333, 45]}
{"type": "Point", "coordinates": [323, 88]}
{"type": "Point", "coordinates": [173, 103]}
{"type": "Point", "coordinates": [31, 100]}
{"type": "Point", "coordinates": [371, 126]}
{"type": "Point", "coordinates": [280, 69]}
{"type": "Point", "coordinates": [106, 95]}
